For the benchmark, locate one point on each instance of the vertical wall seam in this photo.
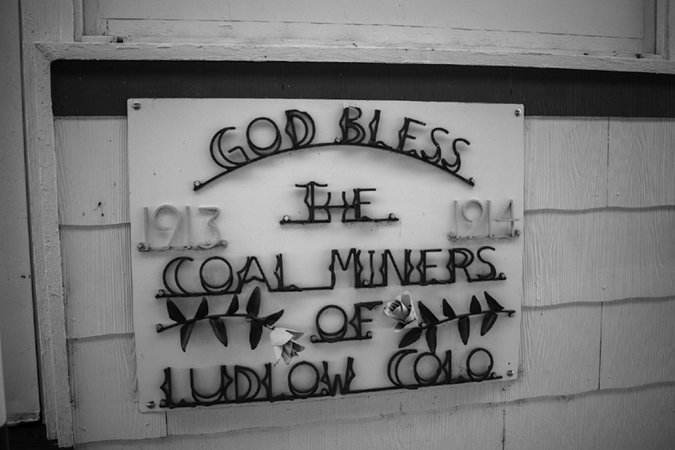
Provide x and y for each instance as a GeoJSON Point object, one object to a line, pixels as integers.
{"type": "Point", "coordinates": [602, 304]}
{"type": "Point", "coordinates": [504, 429]}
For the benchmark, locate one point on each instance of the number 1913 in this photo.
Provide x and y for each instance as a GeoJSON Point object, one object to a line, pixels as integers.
{"type": "Point", "coordinates": [170, 228]}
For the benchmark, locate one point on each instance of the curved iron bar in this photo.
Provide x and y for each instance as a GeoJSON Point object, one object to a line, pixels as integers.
{"type": "Point", "coordinates": [419, 155]}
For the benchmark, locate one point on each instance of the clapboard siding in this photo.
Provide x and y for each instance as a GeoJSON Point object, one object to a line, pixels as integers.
{"type": "Point", "coordinates": [598, 255]}
{"type": "Point", "coordinates": [609, 419]}
{"type": "Point", "coordinates": [617, 419]}
{"type": "Point", "coordinates": [641, 162]}
{"type": "Point", "coordinates": [580, 257]}
{"type": "Point", "coordinates": [638, 342]}
{"type": "Point", "coordinates": [565, 163]}
{"type": "Point", "coordinates": [104, 397]}
{"type": "Point", "coordinates": [467, 427]}
{"type": "Point", "coordinates": [92, 167]}
{"type": "Point", "coordinates": [97, 280]}
{"type": "Point", "coordinates": [559, 350]}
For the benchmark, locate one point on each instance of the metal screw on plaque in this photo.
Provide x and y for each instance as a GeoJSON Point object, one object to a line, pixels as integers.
{"type": "Point", "coordinates": [518, 112]}
{"type": "Point", "coordinates": [136, 105]}
{"type": "Point", "coordinates": [150, 404]}
{"type": "Point", "coordinates": [509, 373]}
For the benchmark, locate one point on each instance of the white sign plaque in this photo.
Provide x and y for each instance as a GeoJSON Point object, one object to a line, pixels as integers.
{"type": "Point", "coordinates": [291, 249]}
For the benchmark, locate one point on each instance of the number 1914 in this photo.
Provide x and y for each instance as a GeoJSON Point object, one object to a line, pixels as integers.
{"type": "Point", "coordinates": [476, 219]}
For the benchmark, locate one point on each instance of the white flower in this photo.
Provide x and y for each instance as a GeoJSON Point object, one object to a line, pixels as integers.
{"type": "Point", "coordinates": [402, 310]}
{"type": "Point", "coordinates": [284, 345]}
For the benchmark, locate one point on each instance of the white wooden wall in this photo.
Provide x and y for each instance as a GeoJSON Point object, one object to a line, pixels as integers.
{"type": "Point", "coordinates": [624, 27]}
{"type": "Point", "coordinates": [597, 357]}
{"type": "Point", "coordinates": [597, 345]}
{"type": "Point", "coordinates": [19, 354]}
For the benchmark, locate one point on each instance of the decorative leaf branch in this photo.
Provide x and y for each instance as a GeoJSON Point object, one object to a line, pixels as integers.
{"type": "Point", "coordinates": [217, 322]}
{"type": "Point", "coordinates": [430, 322]}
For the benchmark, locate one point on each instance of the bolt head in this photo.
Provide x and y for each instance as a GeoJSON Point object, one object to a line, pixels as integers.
{"type": "Point", "coordinates": [136, 105]}
{"type": "Point", "coordinates": [509, 373]}
{"type": "Point", "coordinates": [150, 404]}
{"type": "Point", "coordinates": [518, 112]}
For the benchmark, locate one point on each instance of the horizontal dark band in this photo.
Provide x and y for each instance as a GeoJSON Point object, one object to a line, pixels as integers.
{"type": "Point", "coordinates": [101, 88]}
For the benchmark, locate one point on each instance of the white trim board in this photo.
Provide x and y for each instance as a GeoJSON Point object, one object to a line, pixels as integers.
{"type": "Point", "coordinates": [326, 53]}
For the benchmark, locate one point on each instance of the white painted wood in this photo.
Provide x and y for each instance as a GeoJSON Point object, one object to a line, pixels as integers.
{"type": "Point", "coordinates": [19, 355]}
{"type": "Point", "coordinates": [78, 20]}
{"type": "Point", "coordinates": [91, 157]}
{"type": "Point", "coordinates": [213, 31]}
{"type": "Point", "coordinates": [553, 340]}
{"type": "Point", "coordinates": [598, 255]}
{"type": "Point", "coordinates": [91, 18]}
{"type": "Point", "coordinates": [243, 51]}
{"type": "Point", "coordinates": [261, 439]}
{"type": "Point", "coordinates": [641, 162]}
{"type": "Point", "coordinates": [46, 21]}
{"type": "Point", "coordinates": [616, 419]}
{"type": "Point", "coordinates": [97, 280]}
{"type": "Point", "coordinates": [565, 163]}
{"type": "Point", "coordinates": [43, 194]}
{"type": "Point", "coordinates": [560, 350]}
{"type": "Point", "coordinates": [649, 35]}
{"type": "Point", "coordinates": [637, 342]}
{"type": "Point", "coordinates": [103, 380]}
{"type": "Point", "coordinates": [661, 24]}
{"type": "Point", "coordinates": [465, 427]}
{"type": "Point", "coordinates": [607, 419]}
{"type": "Point", "coordinates": [623, 18]}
